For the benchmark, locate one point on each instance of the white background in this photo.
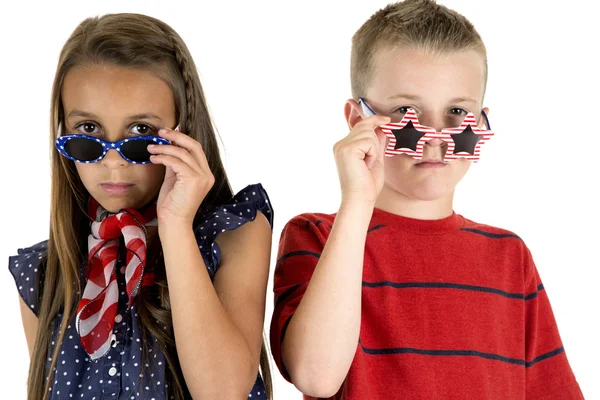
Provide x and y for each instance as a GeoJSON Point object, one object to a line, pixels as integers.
{"type": "Point", "coordinates": [276, 75]}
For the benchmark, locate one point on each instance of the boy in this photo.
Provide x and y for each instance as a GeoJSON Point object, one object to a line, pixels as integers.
{"type": "Point", "coordinates": [397, 296]}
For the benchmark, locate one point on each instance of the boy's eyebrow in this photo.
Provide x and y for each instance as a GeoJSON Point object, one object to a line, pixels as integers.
{"type": "Point", "coordinates": [463, 100]}
{"type": "Point", "coordinates": [85, 114]}
{"type": "Point", "coordinates": [404, 96]}
{"type": "Point", "coordinates": [415, 97]}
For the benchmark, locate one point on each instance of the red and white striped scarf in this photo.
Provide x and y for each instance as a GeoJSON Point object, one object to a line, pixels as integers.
{"type": "Point", "coordinates": [98, 307]}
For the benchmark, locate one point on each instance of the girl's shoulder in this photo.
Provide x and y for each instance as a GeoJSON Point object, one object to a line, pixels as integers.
{"type": "Point", "coordinates": [241, 209]}
{"type": "Point", "coordinates": [27, 269]}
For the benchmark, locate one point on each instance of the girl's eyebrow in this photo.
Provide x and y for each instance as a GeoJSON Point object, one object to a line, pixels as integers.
{"type": "Point", "coordinates": [80, 113]}
{"type": "Point", "coordinates": [85, 114]}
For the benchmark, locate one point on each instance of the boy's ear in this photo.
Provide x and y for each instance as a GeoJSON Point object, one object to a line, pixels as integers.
{"type": "Point", "coordinates": [353, 113]}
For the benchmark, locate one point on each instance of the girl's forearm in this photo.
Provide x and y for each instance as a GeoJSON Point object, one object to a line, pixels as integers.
{"type": "Point", "coordinates": [214, 355]}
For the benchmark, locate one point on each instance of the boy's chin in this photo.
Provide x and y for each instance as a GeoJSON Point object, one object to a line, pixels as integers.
{"type": "Point", "coordinates": [428, 191]}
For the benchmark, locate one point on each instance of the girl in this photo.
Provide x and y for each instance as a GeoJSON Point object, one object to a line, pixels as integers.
{"type": "Point", "coordinates": [152, 283]}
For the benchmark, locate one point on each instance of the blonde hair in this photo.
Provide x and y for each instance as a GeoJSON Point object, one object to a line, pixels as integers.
{"type": "Point", "coordinates": [133, 41]}
{"type": "Point", "coordinates": [418, 24]}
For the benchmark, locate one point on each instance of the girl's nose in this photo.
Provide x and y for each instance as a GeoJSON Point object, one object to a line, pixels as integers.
{"type": "Point", "coordinates": [113, 159]}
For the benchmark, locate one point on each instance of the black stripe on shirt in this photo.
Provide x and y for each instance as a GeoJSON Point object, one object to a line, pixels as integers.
{"type": "Point", "coordinates": [298, 253]}
{"type": "Point", "coordinates": [286, 294]}
{"type": "Point", "coordinates": [447, 285]}
{"type": "Point", "coordinates": [471, 353]}
{"type": "Point", "coordinates": [490, 234]}
{"type": "Point", "coordinates": [378, 226]}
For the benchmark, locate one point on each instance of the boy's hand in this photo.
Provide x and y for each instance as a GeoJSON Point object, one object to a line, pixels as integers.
{"type": "Point", "coordinates": [359, 160]}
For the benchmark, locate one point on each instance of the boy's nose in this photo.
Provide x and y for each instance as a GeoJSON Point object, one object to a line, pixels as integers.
{"type": "Point", "coordinates": [113, 159]}
{"type": "Point", "coordinates": [437, 123]}
{"type": "Point", "coordinates": [435, 149]}
{"type": "Point", "coordinates": [435, 143]}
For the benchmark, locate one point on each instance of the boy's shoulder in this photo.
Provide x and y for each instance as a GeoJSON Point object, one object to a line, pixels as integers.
{"type": "Point", "coordinates": [494, 238]}
{"type": "Point", "coordinates": [488, 231]}
{"type": "Point", "coordinates": [318, 220]}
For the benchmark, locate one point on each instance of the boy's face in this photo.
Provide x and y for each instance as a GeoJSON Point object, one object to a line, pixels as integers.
{"type": "Point", "coordinates": [442, 89]}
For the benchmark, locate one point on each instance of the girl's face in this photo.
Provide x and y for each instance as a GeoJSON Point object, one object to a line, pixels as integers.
{"type": "Point", "coordinates": [114, 103]}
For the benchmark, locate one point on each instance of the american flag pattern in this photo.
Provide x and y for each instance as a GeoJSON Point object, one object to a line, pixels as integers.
{"type": "Point", "coordinates": [97, 309]}
{"type": "Point", "coordinates": [430, 133]}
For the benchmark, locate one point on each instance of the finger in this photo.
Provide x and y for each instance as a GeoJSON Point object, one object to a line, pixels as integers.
{"type": "Point", "coordinates": [192, 145]}
{"type": "Point", "coordinates": [368, 135]}
{"type": "Point", "coordinates": [372, 122]}
{"type": "Point", "coordinates": [383, 143]}
{"type": "Point", "coordinates": [178, 152]}
{"type": "Point", "coordinates": [373, 154]}
{"type": "Point", "coordinates": [179, 167]}
{"type": "Point", "coordinates": [367, 150]}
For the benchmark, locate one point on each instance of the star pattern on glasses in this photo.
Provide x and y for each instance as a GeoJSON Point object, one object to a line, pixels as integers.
{"type": "Point", "coordinates": [409, 137]}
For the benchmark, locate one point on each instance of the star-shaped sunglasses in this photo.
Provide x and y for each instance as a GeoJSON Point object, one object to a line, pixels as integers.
{"type": "Point", "coordinates": [409, 137]}
{"type": "Point", "coordinates": [90, 149]}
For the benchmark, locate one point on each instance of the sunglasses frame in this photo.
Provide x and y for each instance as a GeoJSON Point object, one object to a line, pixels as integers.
{"type": "Point", "coordinates": [431, 133]}
{"type": "Point", "coordinates": [62, 140]}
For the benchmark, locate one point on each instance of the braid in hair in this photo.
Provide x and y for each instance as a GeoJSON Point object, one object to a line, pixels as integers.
{"type": "Point", "coordinates": [188, 74]}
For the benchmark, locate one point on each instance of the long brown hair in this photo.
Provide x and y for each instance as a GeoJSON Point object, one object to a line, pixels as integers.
{"type": "Point", "coordinates": [134, 41]}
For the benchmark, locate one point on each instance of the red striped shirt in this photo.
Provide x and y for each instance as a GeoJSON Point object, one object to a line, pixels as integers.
{"type": "Point", "coordinates": [450, 309]}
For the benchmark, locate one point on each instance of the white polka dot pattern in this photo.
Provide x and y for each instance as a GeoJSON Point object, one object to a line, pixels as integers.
{"type": "Point", "coordinates": [124, 373]}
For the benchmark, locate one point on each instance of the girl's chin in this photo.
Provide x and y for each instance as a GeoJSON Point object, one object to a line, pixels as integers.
{"type": "Point", "coordinates": [115, 204]}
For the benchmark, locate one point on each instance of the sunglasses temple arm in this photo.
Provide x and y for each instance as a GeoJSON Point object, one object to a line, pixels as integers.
{"type": "Point", "coordinates": [365, 107]}
{"type": "Point", "coordinates": [487, 121]}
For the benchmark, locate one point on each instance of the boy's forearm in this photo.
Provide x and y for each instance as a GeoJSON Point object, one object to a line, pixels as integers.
{"type": "Point", "coordinates": [321, 338]}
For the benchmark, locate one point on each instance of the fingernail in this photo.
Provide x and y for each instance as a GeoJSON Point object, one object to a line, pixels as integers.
{"type": "Point", "coordinates": [162, 131]}
{"type": "Point", "coordinates": [150, 146]}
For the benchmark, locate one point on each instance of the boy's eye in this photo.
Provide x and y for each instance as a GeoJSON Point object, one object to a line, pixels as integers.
{"type": "Point", "coordinates": [403, 109]}
{"type": "Point", "coordinates": [87, 128]}
{"type": "Point", "coordinates": [142, 129]}
{"type": "Point", "coordinates": [458, 111]}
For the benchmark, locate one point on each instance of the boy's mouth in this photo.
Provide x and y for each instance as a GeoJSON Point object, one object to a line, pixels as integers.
{"type": "Point", "coordinates": [431, 164]}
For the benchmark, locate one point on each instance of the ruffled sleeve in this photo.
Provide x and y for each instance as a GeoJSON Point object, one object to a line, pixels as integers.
{"type": "Point", "coordinates": [242, 209]}
{"type": "Point", "coordinates": [27, 270]}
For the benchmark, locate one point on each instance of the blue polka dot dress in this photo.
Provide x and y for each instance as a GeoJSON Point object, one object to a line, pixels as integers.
{"type": "Point", "coordinates": [123, 373]}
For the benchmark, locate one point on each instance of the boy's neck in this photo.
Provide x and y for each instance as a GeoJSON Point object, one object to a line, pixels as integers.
{"type": "Point", "coordinates": [399, 204]}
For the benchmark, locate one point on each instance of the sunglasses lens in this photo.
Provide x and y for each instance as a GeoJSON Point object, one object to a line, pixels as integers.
{"type": "Point", "coordinates": [83, 149]}
{"type": "Point", "coordinates": [137, 150]}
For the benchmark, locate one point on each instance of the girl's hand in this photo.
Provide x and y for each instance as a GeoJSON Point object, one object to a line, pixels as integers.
{"type": "Point", "coordinates": [359, 158]}
{"type": "Point", "coordinates": [188, 178]}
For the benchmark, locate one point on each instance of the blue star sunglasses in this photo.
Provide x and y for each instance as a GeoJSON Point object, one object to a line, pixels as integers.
{"type": "Point", "coordinates": [90, 149]}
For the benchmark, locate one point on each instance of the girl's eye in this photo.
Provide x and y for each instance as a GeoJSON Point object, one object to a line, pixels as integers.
{"type": "Point", "coordinates": [88, 128]}
{"type": "Point", "coordinates": [142, 129]}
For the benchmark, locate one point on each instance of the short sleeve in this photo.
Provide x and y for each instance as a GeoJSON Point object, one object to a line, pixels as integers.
{"type": "Point", "coordinates": [27, 270]}
{"type": "Point", "coordinates": [300, 247]}
{"type": "Point", "coordinates": [242, 208]}
{"type": "Point", "coordinates": [548, 373]}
